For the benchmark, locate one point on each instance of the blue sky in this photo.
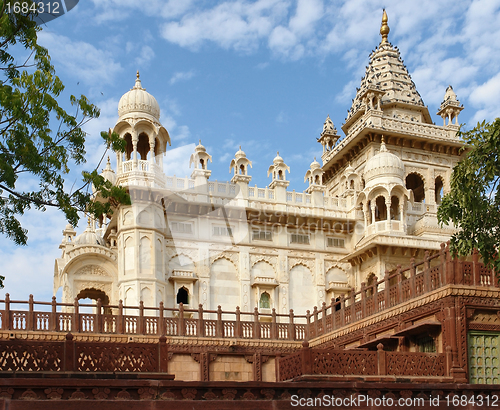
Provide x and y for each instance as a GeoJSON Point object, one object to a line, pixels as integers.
{"type": "Point", "coordinates": [261, 74]}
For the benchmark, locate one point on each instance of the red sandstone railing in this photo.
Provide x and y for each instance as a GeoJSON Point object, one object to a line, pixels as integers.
{"type": "Point", "coordinates": [399, 287]}
{"type": "Point", "coordinates": [358, 363]}
{"type": "Point", "coordinates": [418, 279]}
{"type": "Point", "coordinates": [142, 320]}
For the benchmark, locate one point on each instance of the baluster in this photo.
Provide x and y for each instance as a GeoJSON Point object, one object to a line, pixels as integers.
{"type": "Point", "coordinates": [375, 295]}
{"type": "Point", "coordinates": [274, 333]}
{"type": "Point", "coordinates": [140, 319]}
{"type": "Point", "coordinates": [201, 322]}
{"type": "Point", "coordinates": [291, 327]}
{"type": "Point", "coordinates": [98, 317]}
{"type": "Point", "coordinates": [451, 274]}
{"type": "Point", "coordinates": [161, 318]}
{"type": "Point", "coordinates": [427, 273]}
{"type": "Point", "coordinates": [353, 305]}
{"type": "Point", "coordinates": [120, 327]}
{"type": "Point", "coordinates": [256, 324]}
{"type": "Point", "coordinates": [333, 306]}
{"type": "Point", "coordinates": [180, 330]}
{"type": "Point", "coordinates": [442, 261]}
{"type": "Point", "coordinates": [413, 290]}
{"type": "Point", "coordinates": [53, 314]}
{"type": "Point", "coordinates": [237, 329]}
{"type": "Point", "coordinates": [218, 330]}
{"type": "Point", "coordinates": [342, 310]}
{"type": "Point", "coordinates": [30, 313]}
{"type": "Point", "coordinates": [7, 319]}
{"type": "Point", "coordinates": [76, 316]}
{"type": "Point", "coordinates": [399, 289]}
{"type": "Point", "coordinates": [315, 313]}
{"type": "Point", "coordinates": [475, 268]}
{"type": "Point", "coordinates": [363, 300]}
{"type": "Point", "coordinates": [323, 317]}
{"type": "Point", "coordinates": [308, 325]}
{"type": "Point", "coordinates": [386, 289]}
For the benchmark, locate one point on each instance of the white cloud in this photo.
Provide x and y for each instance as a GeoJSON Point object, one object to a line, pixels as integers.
{"type": "Point", "coordinates": [83, 61]}
{"type": "Point", "coordinates": [176, 132]}
{"type": "Point", "coordinates": [239, 25]}
{"type": "Point", "coordinates": [282, 117]}
{"type": "Point", "coordinates": [485, 97]}
{"type": "Point", "coordinates": [181, 76]}
{"type": "Point", "coordinates": [146, 55]}
{"type": "Point", "coordinates": [116, 10]}
{"type": "Point", "coordinates": [176, 160]}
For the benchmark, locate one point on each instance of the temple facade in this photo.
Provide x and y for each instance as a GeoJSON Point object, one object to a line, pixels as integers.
{"type": "Point", "coordinates": [370, 205]}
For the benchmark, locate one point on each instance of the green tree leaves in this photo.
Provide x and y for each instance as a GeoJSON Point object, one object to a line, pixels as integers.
{"type": "Point", "coordinates": [473, 204]}
{"type": "Point", "coordinates": [30, 149]}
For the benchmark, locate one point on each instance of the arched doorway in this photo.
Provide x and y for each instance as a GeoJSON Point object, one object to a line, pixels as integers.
{"type": "Point", "coordinates": [416, 184]}
{"type": "Point", "coordinates": [93, 295]}
{"type": "Point", "coordinates": [183, 296]}
{"type": "Point", "coordinates": [380, 209]}
{"type": "Point", "coordinates": [438, 189]}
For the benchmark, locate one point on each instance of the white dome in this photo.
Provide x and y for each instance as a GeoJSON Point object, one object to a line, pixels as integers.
{"type": "Point", "coordinates": [277, 159]}
{"type": "Point", "coordinates": [138, 100]}
{"type": "Point", "coordinates": [384, 167]}
{"type": "Point", "coordinates": [315, 164]}
{"type": "Point", "coordinates": [240, 154]}
{"type": "Point", "coordinates": [89, 237]}
{"type": "Point", "coordinates": [200, 148]}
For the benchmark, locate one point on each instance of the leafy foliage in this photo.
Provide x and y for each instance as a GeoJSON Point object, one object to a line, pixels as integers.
{"type": "Point", "coordinates": [34, 158]}
{"type": "Point", "coordinates": [473, 204]}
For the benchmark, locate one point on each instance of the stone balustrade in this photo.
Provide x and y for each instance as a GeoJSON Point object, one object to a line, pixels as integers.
{"type": "Point", "coordinates": [399, 287]}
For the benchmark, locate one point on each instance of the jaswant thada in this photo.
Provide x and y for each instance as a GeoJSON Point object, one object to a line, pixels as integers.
{"type": "Point", "coordinates": [370, 206]}
{"type": "Point", "coordinates": [205, 292]}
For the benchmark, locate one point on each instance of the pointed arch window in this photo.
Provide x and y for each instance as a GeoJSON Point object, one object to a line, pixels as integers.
{"type": "Point", "coordinates": [183, 296]}
{"type": "Point", "coordinates": [265, 301]}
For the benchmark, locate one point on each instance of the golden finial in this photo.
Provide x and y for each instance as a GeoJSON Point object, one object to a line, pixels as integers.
{"type": "Point", "coordinates": [384, 29]}
{"type": "Point", "coordinates": [138, 81]}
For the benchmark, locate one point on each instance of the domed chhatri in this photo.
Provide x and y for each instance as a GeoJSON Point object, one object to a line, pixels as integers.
{"type": "Point", "coordinates": [315, 164]}
{"type": "Point", "coordinates": [240, 154]}
{"type": "Point", "coordinates": [89, 237]}
{"type": "Point", "coordinates": [138, 100]}
{"type": "Point", "coordinates": [384, 166]}
{"type": "Point", "coordinates": [277, 159]}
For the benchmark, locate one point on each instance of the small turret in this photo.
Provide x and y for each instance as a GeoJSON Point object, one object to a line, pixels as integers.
{"type": "Point", "coordinates": [314, 176]}
{"type": "Point", "coordinates": [450, 107]}
{"type": "Point", "coordinates": [240, 165]}
{"type": "Point", "coordinates": [278, 171]}
{"type": "Point", "coordinates": [328, 137]}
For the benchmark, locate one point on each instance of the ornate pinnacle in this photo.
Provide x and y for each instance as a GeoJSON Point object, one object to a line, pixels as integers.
{"type": "Point", "coordinates": [384, 29]}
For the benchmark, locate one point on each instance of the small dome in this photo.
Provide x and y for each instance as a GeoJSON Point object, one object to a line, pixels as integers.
{"type": "Point", "coordinates": [384, 167]}
{"type": "Point", "coordinates": [108, 173]}
{"type": "Point", "coordinates": [350, 170]}
{"type": "Point", "coordinates": [138, 100]}
{"type": "Point", "coordinates": [240, 154]}
{"type": "Point", "coordinates": [89, 237]}
{"type": "Point", "coordinates": [200, 148]}
{"type": "Point", "coordinates": [315, 164]}
{"type": "Point", "coordinates": [277, 159]}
